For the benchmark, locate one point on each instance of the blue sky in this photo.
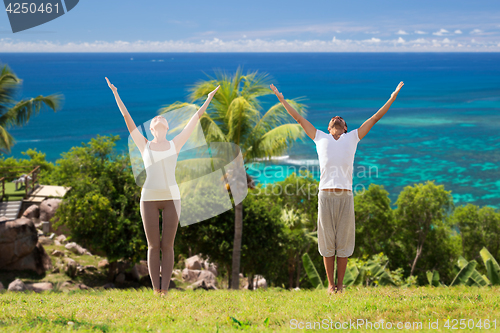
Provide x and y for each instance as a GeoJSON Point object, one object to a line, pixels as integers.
{"type": "Point", "coordinates": [262, 26]}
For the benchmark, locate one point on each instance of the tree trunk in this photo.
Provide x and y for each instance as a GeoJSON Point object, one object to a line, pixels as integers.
{"type": "Point", "coordinates": [238, 233]}
{"type": "Point", "coordinates": [419, 251]}
{"type": "Point", "coordinates": [228, 270]}
{"type": "Point", "coordinates": [112, 270]}
{"type": "Point", "coordinates": [297, 281]}
{"type": "Point", "coordinates": [291, 270]}
{"type": "Point", "coordinates": [250, 281]}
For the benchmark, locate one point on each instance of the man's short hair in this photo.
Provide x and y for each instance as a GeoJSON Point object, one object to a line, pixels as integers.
{"type": "Point", "coordinates": [340, 118]}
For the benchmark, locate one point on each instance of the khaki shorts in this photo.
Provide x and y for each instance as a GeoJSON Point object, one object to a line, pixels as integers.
{"type": "Point", "coordinates": [336, 225]}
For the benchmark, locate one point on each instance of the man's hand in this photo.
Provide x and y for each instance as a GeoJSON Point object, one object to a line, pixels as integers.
{"type": "Point", "coordinates": [113, 88]}
{"type": "Point", "coordinates": [398, 88]}
{"type": "Point", "coordinates": [277, 93]}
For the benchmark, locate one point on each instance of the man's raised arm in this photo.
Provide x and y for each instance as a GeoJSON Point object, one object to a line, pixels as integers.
{"type": "Point", "coordinates": [368, 124]}
{"type": "Point", "coordinates": [306, 125]}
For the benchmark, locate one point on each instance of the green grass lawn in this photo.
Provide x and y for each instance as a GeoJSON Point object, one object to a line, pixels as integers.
{"type": "Point", "coordinates": [271, 310]}
{"type": "Point", "coordinates": [11, 193]}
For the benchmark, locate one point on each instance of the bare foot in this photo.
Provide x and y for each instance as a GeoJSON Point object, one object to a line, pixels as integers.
{"type": "Point", "coordinates": [332, 290]}
{"type": "Point", "coordinates": [161, 292]}
{"type": "Point", "coordinates": [339, 289]}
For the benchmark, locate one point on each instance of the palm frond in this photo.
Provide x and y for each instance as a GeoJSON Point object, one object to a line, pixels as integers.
{"type": "Point", "coordinates": [275, 142]}
{"type": "Point", "coordinates": [20, 113]}
{"type": "Point", "coordinates": [212, 131]}
{"type": "Point", "coordinates": [278, 115]}
{"type": "Point", "coordinates": [6, 141]}
{"type": "Point", "coordinates": [9, 83]}
{"type": "Point", "coordinates": [240, 119]}
{"type": "Point", "coordinates": [256, 85]}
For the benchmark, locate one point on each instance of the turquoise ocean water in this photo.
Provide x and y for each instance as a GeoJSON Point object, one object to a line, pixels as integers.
{"type": "Point", "coordinates": [444, 126]}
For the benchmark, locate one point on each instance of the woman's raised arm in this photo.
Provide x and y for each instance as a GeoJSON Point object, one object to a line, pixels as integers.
{"type": "Point", "coordinates": [183, 136]}
{"type": "Point", "coordinates": [138, 138]}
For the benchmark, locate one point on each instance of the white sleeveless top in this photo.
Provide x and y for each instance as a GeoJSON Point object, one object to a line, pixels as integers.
{"type": "Point", "coordinates": [160, 181]}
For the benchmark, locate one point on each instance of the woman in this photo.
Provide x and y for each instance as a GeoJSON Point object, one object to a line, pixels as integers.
{"type": "Point", "coordinates": [160, 190]}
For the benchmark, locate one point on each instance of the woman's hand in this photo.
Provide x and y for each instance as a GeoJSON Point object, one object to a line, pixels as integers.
{"type": "Point", "coordinates": [211, 94]}
{"type": "Point", "coordinates": [398, 88]}
{"type": "Point", "coordinates": [277, 93]}
{"type": "Point", "coordinates": [113, 88]}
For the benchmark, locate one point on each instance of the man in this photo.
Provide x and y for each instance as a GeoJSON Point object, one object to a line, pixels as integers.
{"type": "Point", "coordinates": [336, 150]}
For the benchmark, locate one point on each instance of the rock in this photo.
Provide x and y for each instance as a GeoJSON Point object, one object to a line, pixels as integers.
{"type": "Point", "coordinates": [20, 249]}
{"type": "Point", "coordinates": [103, 263]}
{"type": "Point", "coordinates": [192, 275]}
{"type": "Point", "coordinates": [57, 253]}
{"type": "Point", "coordinates": [75, 248]}
{"type": "Point", "coordinates": [66, 284]}
{"type": "Point", "coordinates": [32, 211]}
{"type": "Point", "coordinates": [109, 285]}
{"type": "Point", "coordinates": [45, 227]}
{"type": "Point", "coordinates": [139, 270]}
{"type": "Point", "coordinates": [120, 278]}
{"type": "Point", "coordinates": [241, 275]}
{"type": "Point", "coordinates": [56, 242]}
{"type": "Point", "coordinates": [18, 238]}
{"type": "Point", "coordinates": [55, 270]}
{"type": "Point", "coordinates": [48, 208]}
{"type": "Point", "coordinates": [80, 270]}
{"type": "Point", "coordinates": [90, 268]}
{"type": "Point", "coordinates": [259, 282]}
{"type": "Point", "coordinates": [17, 285]}
{"type": "Point", "coordinates": [38, 261]}
{"type": "Point", "coordinates": [211, 267]}
{"type": "Point", "coordinates": [194, 262]}
{"type": "Point", "coordinates": [45, 240]}
{"type": "Point", "coordinates": [83, 286]}
{"type": "Point", "coordinates": [39, 287]}
{"type": "Point", "coordinates": [201, 284]}
{"type": "Point", "coordinates": [61, 239]}
{"type": "Point", "coordinates": [70, 267]}
{"type": "Point", "coordinates": [171, 284]}
{"type": "Point", "coordinates": [208, 277]}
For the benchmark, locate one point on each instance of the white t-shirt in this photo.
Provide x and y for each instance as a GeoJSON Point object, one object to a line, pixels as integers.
{"type": "Point", "coordinates": [336, 158]}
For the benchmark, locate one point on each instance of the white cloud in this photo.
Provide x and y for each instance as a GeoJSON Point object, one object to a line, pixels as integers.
{"type": "Point", "coordinates": [373, 40]}
{"type": "Point", "coordinates": [401, 32]}
{"type": "Point", "coordinates": [419, 41]}
{"type": "Point", "coordinates": [420, 32]}
{"type": "Point", "coordinates": [441, 32]}
{"type": "Point", "coordinates": [476, 32]}
{"type": "Point", "coordinates": [252, 45]}
{"type": "Point", "coordinates": [458, 32]}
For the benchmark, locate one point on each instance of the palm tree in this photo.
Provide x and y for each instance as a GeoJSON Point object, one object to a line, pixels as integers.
{"type": "Point", "coordinates": [235, 115]}
{"type": "Point", "coordinates": [13, 113]}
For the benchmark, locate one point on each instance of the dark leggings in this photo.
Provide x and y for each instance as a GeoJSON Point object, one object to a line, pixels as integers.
{"type": "Point", "coordinates": [150, 213]}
